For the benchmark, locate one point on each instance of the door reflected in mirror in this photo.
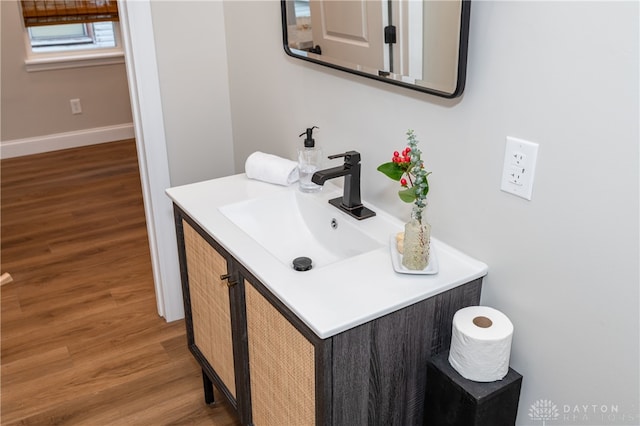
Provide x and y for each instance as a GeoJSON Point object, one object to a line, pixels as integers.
{"type": "Point", "coordinates": [418, 44]}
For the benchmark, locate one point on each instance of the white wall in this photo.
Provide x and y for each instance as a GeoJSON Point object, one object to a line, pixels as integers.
{"type": "Point", "coordinates": [564, 266]}
{"type": "Point", "coordinates": [192, 69]}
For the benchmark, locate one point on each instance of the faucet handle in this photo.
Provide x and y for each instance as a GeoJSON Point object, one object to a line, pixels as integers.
{"type": "Point", "coordinates": [350, 157]}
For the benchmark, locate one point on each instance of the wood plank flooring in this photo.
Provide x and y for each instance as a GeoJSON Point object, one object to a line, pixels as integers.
{"type": "Point", "coordinates": [81, 342]}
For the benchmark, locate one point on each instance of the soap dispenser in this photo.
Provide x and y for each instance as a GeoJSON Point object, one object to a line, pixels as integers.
{"type": "Point", "coordinates": [309, 158]}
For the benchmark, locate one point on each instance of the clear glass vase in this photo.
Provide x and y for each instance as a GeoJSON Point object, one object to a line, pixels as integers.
{"type": "Point", "coordinates": [417, 235]}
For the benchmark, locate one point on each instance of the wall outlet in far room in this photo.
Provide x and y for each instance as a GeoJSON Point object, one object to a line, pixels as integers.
{"type": "Point", "coordinates": [76, 107]}
{"type": "Point", "coordinates": [519, 167]}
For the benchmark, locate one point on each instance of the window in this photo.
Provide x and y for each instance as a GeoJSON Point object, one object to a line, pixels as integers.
{"type": "Point", "coordinates": [66, 37]}
{"type": "Point", "coordinates": [65, 34]}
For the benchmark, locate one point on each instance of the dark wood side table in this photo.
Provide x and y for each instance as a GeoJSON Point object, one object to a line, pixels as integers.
{"type": "Point", "coordinates": [452, 400]}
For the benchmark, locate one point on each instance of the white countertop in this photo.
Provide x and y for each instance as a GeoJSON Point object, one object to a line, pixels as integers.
{"type": "Point", "coordinates": [338, 296]}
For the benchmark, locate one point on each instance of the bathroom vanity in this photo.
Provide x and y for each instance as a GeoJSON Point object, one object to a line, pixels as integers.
{"type": "Point", "coordinates": [345, 343]}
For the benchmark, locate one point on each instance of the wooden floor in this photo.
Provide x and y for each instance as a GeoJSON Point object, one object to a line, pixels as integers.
{"type": "Point", "coordinates": [82, 343]}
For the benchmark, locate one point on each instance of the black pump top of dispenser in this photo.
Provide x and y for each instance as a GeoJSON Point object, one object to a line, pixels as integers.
{"type": "Point", "coordinates": [309, 142]}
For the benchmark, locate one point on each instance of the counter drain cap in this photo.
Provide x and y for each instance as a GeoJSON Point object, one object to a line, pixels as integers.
{"type": "Point", "coordinates": [302, 263]}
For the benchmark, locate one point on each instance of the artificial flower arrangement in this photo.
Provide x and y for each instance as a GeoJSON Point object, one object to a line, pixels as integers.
{"type": "Point", "coordinates": [407, 168]}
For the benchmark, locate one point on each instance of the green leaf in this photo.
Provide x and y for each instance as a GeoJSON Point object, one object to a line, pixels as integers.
{"type": "Point", "coordinates": [408, 195]}
{"type": "Point", "coordinates": [392, 170]}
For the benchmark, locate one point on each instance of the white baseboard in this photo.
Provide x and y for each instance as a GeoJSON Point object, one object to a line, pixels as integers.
{"type": "Point", "coordinates": [58, 141]}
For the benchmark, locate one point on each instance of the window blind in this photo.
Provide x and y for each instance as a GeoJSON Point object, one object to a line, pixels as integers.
{"type": "Point", "coordinates": [56, 12]}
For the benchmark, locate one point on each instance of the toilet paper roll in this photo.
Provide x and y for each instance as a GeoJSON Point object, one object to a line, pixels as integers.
{"type": "Point", "coordinates": [481, 343]}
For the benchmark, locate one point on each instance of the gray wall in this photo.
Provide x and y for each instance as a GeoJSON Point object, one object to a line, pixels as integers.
{"type": "Point", "coordinates": [192, 69]}
{"type": "Point", "coordinates": [37, 103]}
{"type": "Point", "coordinates": [563, 266]}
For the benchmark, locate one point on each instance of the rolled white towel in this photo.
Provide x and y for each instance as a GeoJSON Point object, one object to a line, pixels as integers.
{"type": "Point", "coordinates": [271, 168]}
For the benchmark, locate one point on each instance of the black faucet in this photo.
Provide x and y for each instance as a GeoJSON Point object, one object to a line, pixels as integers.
{"type": "Point", "coordinates": [350, 201]}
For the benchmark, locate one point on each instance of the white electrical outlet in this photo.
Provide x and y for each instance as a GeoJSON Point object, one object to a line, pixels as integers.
{"type": "Point", "coordinates": [76, 107]}
{"type": "Point", "coordinates": [519, 167]}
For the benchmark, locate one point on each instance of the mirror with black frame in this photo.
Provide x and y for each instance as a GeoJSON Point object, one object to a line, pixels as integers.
{"type": "Point", "coordinates": [418, 44]}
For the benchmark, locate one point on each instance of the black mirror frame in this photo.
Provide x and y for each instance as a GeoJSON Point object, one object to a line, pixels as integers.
{"type": "Point", "coordinates": [462, 56]}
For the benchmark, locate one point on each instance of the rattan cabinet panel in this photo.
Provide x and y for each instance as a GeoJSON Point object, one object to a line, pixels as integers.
{"type": "Point", "coordinates": [281, 364]}
{"type": "Point", "coordinates": [210, 308]}
{"type": "Point", "coordinates": [213, 297]}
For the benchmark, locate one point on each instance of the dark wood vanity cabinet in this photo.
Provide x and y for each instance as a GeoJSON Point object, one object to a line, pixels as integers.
{"type": "Point", "coordinates": [275, 370]}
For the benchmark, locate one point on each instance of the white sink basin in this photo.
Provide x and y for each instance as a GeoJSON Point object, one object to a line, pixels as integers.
{"type": "Point", "coordinates": [264, 227]}
{"type": "Point", "coordinates": [291, 224]}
